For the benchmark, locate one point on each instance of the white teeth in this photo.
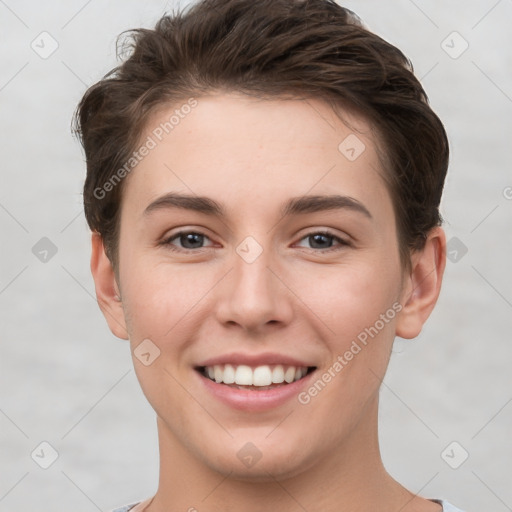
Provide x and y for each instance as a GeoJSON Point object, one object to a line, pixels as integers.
{"type": "Point", "coordinates": [289, 374]}
{"type": "Point", "coordinates": [243, 375]}
{"type": "Point", "coordinates": [260, 376]}
{"type": "Point", "coordinates": [278, 374]}
{"type": "Point", "coordinates": [229, 374]}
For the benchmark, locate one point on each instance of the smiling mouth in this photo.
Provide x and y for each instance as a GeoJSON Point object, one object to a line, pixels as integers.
{"type": "Point", "coordinates": [256, 378]}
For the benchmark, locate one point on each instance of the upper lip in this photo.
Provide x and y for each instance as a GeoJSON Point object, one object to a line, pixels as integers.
{"type": "Point", "coordinates": [267, 358]}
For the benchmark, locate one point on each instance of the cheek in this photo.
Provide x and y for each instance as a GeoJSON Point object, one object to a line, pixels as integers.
{"type": "Point", "coordinates": [158, 296]}
{"type": "Point", "coordinates": [359, 309]}
{"type": "Point", "coordinates": [358, 305]}
{"type": "Point", "coordinates": [350, 298]}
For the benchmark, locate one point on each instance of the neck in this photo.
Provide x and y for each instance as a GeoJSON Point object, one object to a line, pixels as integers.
{"type": "Point", "coordinates": [350, 476]}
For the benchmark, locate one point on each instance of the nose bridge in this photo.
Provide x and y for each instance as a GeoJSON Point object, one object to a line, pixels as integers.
{"type": "Point", "coordinates": [253, 295]}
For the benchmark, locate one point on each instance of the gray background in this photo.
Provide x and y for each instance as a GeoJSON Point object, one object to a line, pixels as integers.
{"type": "Point", "coordinates": [67, 381]}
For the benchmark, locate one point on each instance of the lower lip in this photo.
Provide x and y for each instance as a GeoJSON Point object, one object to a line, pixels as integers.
{"type": "Point", "coordinates": [254, 400]}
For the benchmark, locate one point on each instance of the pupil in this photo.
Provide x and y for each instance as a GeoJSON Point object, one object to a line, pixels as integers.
{"type": "Point", "coordinates": [318, 238]}
{"type": "Point", "coordinates": [192, 238]}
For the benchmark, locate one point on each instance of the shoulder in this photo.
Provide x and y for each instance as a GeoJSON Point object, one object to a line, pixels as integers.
{"type": "Point", "coordinates": [125, 508]}
{"type": "Point", "coordinates": [447, 507]}
{"type": "Point", "coordinates": [139, 506]}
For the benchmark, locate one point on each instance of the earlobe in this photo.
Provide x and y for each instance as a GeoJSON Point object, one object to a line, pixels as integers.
{"type": "Point", "coordinates": [107, 291]}
{"type": "Point", "coordinates": [422, 286]}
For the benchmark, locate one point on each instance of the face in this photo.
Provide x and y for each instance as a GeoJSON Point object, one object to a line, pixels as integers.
{"type": "Point", "coordinates": [255, 234]}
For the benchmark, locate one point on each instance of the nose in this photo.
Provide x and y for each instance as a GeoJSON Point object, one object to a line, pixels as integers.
{"type": "Point", "coordinates": [254, 296]}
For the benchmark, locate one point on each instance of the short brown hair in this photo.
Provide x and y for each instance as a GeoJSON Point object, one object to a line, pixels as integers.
{"type": "Point", "coordinates": [267, 48]}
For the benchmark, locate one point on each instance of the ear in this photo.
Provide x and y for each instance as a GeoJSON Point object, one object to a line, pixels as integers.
{"type": "Point", "coordinates": [421, 287]}
{"type": "Point", "coordinates": [107, 291]}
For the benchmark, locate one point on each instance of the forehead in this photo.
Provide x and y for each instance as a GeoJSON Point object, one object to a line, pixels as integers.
{"type": "Point", "coordinates": [252, 152]}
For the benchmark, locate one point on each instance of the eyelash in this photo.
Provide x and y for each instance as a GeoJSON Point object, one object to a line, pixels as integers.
{"type": "Point", "coordinates": [168, 241]}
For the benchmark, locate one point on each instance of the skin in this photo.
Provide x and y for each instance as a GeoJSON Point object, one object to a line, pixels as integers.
{"type": "Point", "coordinates": [252, 156]}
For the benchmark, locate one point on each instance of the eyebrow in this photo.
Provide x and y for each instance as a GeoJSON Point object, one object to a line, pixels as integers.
{"type": "Point", "coordinates": [294, 206]}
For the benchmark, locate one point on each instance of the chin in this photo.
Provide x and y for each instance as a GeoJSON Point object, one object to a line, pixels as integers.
{"type": "Point", "coordinates": [268, 471]}
{"type": "Point", "coordinates": [258, 461]}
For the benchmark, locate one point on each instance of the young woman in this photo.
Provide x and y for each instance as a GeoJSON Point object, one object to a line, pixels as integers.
{"type": "Point", "coordinates": [263, 184]}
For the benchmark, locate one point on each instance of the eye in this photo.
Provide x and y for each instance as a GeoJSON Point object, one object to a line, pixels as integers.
{"type": "Point", "coordinates": [323, 240]}
{"type": "Point", "coordinates": [189, 241]}
{"type": "Point", "coordinates": [194, 241]}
